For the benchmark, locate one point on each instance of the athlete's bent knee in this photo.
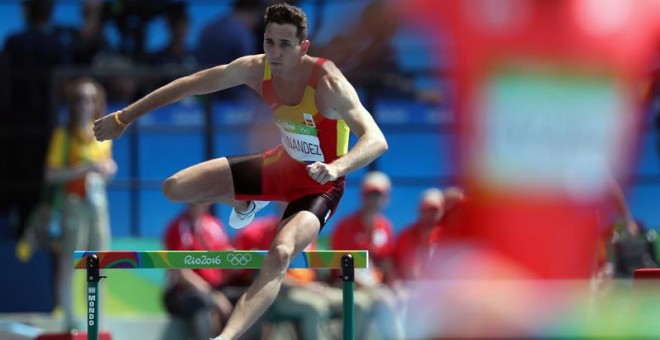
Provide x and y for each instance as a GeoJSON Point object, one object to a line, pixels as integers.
{"type": "Point", "coordinates": [170, 190]}
{"type": "Point", "coordinates": [280, 256]}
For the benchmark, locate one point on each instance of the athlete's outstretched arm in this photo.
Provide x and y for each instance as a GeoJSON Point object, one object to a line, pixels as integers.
{"type": "Point", "coordinates": [206, 81]}
{"type": "Point", "coordinates": [338, 99]}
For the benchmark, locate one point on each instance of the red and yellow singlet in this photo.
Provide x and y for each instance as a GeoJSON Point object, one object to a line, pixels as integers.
{"type": "Point", "coordinates": [307, 136]}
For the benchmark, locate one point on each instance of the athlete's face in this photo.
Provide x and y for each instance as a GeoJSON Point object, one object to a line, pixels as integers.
{"type": "Point", "coordinates": [282, 47]}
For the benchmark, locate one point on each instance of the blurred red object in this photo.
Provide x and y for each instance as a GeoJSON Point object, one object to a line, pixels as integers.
{"type": "Point", "coordinates": [547, 114]}
{"type": "Point", "coordinates": [647, 274]}
{"type": "Point", "coordinates": [72, 336]}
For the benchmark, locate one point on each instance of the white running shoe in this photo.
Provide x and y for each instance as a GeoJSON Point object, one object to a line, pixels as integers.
{"type": "Point", "coordinates": [238, 220]}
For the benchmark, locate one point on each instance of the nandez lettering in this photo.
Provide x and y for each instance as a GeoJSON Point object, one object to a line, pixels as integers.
{"type": "Point", "coordinates": [302, 146]}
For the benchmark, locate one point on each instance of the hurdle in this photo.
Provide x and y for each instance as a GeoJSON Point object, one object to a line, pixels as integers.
{"type": "Point", "coordinates": [94, 261]}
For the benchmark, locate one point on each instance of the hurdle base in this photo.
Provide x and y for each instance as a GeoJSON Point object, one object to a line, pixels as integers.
{"type": "Point", "coordinates": [104, 335]}
{"type": "Point", "coordinates": [647, 274]}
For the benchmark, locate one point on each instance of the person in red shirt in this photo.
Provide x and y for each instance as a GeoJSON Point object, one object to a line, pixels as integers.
{"type": "Point", "coordinates": [369, 229]}
{"type": "Point", "coordinates": [415, 243]}
{"type": "Point", "coordinates": [194, 294]}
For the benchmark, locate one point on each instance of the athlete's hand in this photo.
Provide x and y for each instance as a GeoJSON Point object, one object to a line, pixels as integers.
{"type": "Point", "coordinates": [322, 173]}
{"type": "Point", "coordinates": [107, 128]}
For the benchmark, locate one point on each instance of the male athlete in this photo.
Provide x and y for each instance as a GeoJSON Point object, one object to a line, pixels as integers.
{"type": "Point", "coordinates": [314, 107]}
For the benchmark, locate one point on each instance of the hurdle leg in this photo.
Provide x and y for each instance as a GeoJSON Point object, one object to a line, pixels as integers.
{"type": "Point", "coordinates": [93, 278]}
{"type": "Point", "coordinates": [348, 276]}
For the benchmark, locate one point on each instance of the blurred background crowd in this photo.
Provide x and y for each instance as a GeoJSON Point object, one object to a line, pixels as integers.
{"type": "Point", "coordinates": [64, 63]}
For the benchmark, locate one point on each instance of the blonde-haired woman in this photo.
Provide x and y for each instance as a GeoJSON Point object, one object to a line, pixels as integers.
{"type": "Point", "coordinates": [83, 167]}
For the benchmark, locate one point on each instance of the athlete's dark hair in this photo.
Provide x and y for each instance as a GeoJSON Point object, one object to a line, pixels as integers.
{"type": "Point", "coordinates": [288, 14]}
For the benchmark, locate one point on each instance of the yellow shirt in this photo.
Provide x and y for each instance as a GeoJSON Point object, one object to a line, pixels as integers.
{"type": "Point", "coordinates": [80, 152]}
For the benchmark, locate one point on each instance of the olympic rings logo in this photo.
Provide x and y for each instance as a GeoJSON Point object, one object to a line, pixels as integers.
{"type": "Point", "coordinates": [306, 130]}
{"type": "Point", "coordinates": [239, 259]}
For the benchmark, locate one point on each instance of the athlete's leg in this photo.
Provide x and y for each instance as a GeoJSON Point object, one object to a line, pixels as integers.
{"type": "Point", "coordinates": [297, 232]}
{"type": "Point", "coordinates": [207, 182]}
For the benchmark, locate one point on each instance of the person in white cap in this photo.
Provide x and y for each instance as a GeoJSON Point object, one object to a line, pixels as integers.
{"type": "Point", "coordinates": [369, 229]}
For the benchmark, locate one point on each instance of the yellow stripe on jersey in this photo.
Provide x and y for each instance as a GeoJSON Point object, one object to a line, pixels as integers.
{"type": "Point", "coordinates": [267, 74]}
{"type": "Point", "coordinates": [343, 133]}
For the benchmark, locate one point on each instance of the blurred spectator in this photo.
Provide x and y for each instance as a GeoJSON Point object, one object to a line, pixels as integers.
{"type": "Point", "coordinates": [368, 229]}
{"type": "Point", "coordinates": [30, 56]}
{"type": "Point", "coordinates": [610, 216]}
{"type": "Point", "coordinates": [414, 243]}
{"type": "Point", "coordinates": [194, 294]}
{"type": "Point", "coordinates": [367, 56]}
{"type": "Point", "coordinates": [120, 67]}
{"type": "Point", "coordinates": [90, 39]}
{"type": "Point", "coordinates": [626, 245]}
{"type": "Point", "coordinates": [633, 247]}
{"type": "Point", "coordinates": [176, 52]}
{"type": "Point", "coordinates": [84, 166]}
{"type": "Point", "coordinates": [453, 216]}
{"type": "Point", "coordinates": [302, 298]}
{"type": "Point", "coordinates": [132, 19]}
{"type": "Point", "coordinates": [652, 96]}
{"type": "Point", "coordinates": [230, 37]}
{"type": "Point", "coordinates": [417, 242]}
{"type": "Point", "coordinates": [119, 78]}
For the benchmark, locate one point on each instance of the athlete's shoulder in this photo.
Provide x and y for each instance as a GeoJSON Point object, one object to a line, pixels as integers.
{"type": "Point", "coordinates": [249, 62]}
{"type": "Point", "coordinates": [252, 59]}
{"type": "Point", "coordinates": [249, 68]}
{"type": "Point", "coordinates": [329, 69]}
{"type": "Point", "coordinates": [331, 79]}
